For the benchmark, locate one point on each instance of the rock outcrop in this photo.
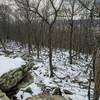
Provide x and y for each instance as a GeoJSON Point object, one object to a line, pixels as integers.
{"type": "Point", "coordinates": [12, 81]}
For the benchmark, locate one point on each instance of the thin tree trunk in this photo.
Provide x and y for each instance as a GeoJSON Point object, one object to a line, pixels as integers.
{"type": "Point", "coordinates": [71, 34]}
{"type": "Point", "coordinates": [94, 60]}
{"type": "Point", "coordinates": [89, 88]}
{"type": "Point", "coordinates": [38, 51]}
{"type": "Point", "coordinates": [97, 76]}
{"type": "Point", "coordinates": [50, 51]}
{"type": "Point", "coordinates": [3, 45]}
{"type": "Point", "coordinates": [29, 38]}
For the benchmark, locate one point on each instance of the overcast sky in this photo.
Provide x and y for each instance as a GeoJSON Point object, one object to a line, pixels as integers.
{"type": "Point", "coordinates": [4, 1]}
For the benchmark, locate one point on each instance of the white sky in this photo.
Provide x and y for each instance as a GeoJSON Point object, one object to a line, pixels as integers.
{"type": "Point", "coordinates": [13, 6]}
{"type": "Point", "coordinates": [3, 1]}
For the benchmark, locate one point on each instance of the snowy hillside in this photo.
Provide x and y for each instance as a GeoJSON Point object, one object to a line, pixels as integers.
{"type": "Point", "coordinates": [73, 78]}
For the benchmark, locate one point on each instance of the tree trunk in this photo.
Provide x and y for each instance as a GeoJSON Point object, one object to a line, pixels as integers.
{"type": "Point", "coordinates": [3, 45]}
{"type": "Point", "coordinates": [71, 34]}
{"type": "Point", "coordinates": [97, 76]}
{"type": "Point", "coordinates": [38, 51]}
{"type": "Point", "coordinates": [29, 37]}
{"type": "Point", "coordinates": [50, 51]}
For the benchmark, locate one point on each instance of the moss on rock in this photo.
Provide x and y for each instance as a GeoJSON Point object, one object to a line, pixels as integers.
{"type": "Point", "coordinates": [3, 96]}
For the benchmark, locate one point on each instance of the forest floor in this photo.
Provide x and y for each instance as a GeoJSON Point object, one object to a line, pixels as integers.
{"type": "Point", "coordinates": [73, 78]}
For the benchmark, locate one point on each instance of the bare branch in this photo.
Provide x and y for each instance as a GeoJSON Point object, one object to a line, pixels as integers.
{"type": "Point", "coordinates": [83, 5]}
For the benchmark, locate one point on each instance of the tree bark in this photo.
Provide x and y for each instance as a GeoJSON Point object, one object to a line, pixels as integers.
{"type": "Point", "coordinates": [71, 34]}
{"type": "Point", "coordinates": [97, 76]}
{"type": "Point", "coordinates": [50, 51]}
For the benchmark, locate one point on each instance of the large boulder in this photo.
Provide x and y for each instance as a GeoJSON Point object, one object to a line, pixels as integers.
{"type": "Point", "coordinates": [12, 81]}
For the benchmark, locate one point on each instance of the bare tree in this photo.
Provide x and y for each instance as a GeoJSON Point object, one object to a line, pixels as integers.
{"type": "Point", "coordinates": [49, 17]}
{"type": "Point", "coordinates": [5, 12]}
{"type": "Point", "coordinates": [96, 51]}
{"type": "Point", "coordinates": [27, 16]}
{"type": "Point", "coordinates": [71, 11]}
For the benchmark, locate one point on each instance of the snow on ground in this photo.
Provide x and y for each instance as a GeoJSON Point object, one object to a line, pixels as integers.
{"type": "Point", "coordinates": [35, 89]}
{"type": "Point", "coordinates": [70, 77]}
{"type": "Point", "coordinates": [7, 64]}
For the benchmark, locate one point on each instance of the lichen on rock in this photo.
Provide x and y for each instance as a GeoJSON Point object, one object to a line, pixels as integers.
{"type": "Point", "coordinates": [12, 81]}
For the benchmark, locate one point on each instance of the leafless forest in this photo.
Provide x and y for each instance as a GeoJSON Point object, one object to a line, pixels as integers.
{"type": "Point", "coordinates": [72, 25]}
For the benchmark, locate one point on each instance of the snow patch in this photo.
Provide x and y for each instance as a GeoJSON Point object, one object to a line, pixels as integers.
{"type": "Point", "coordinates": [7, 64]}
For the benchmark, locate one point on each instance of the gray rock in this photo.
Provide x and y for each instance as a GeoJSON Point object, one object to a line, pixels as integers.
{"type": "Point", "coordinates": [67, 92]}
{"type": "Point", "coordinates": [13, 80]}
{"type": "Point", "coordinates": [57, 91]}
